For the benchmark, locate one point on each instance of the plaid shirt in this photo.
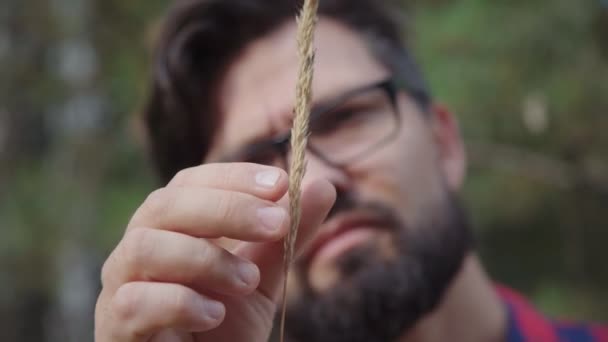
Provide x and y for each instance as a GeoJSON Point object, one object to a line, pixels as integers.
{"type": "Point", "coordinates": [528, 325]}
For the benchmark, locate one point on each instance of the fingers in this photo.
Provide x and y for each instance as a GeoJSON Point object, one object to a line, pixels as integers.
{"type": "Point", "coordinates": [154, 281]}
{"type": "Point", "coordinates": [165, 256]}
{"type": "Point", "coordinates": [212, 213]}
{"type": "Point", "coordinates": [140, 309]}
{"type": "Point", "coordinates": [262, 181]}
{"type": "Point", "coordinates": [317, 199]}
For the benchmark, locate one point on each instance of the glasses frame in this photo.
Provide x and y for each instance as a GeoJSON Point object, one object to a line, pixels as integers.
{"type": "Point", "coordinates": [280, 144]}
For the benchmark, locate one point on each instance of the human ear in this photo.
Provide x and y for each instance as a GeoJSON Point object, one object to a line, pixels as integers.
{"type": "Point", "coordinates": [451, 152]}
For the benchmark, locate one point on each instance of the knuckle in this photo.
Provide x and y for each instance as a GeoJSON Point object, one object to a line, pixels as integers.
{"type": "Point", "coordinates": [158, 203]}
{"type": "Point", "coordinates": [230, 176]}
{"type": "Point", "coordinates": [126, 302]}
{"type": "Point", "coordinates": [206, 257]}
{"type": "Point", "coordinates": [107, 271]}
{"type": "Point", "coordinates": [226, 207]}
{"type": "Point", "coordinates": [181, 305]}
{"type": "Point", "coordinates": [138, 246]}
{"type": "Point", "coordinates": [181, 178]}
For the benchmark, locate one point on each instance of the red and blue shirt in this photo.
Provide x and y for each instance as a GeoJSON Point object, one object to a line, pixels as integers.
{"type": "Point", "coordinates": [528, 325]}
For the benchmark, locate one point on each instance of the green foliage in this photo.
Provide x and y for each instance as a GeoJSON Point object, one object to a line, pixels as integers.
{"type": "Point", "coordinates": [539, 212]}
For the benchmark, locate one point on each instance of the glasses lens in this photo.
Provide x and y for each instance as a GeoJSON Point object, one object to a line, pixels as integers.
{"type": "Point", "coordinates": [354, 127]}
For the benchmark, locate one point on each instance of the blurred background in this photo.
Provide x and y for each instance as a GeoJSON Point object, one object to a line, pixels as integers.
{"type": "Point", "coordinates": [527, 78]}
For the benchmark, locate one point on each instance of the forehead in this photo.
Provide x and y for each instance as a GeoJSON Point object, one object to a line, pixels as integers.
{"type": "Point", "coordinates": [257, 94]}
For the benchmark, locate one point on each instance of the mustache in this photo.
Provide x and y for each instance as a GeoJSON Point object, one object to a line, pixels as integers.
{"type": "Point", "coordinates": [384, 215]}
{"type": "Point", "coordinates": [381, 212]}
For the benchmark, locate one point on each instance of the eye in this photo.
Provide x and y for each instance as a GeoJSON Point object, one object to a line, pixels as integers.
{"type": "Point", "coordinates": [341, 118]}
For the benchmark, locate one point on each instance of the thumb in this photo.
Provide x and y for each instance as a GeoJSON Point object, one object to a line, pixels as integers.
{"type": "Point", "coordinates": [317, 199]}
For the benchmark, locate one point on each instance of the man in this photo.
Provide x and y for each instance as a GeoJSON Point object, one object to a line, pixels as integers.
{"type": "Point", "coordinates": [386, 253]}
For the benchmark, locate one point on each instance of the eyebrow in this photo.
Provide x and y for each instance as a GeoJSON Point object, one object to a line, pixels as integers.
{"type": "Point", "coordinates": [316, 109]}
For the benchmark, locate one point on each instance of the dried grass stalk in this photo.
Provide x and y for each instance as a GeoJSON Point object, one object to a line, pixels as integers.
{"type": "Point", "coordinates": [299, 134]}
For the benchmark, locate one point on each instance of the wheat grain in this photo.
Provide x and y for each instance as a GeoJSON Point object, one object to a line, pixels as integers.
{"type": "Point", "coordinates": [299, 134]}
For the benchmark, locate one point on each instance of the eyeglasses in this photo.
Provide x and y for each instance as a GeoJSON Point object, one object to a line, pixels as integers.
{"type": "Point", "coordinates": [342, 130]}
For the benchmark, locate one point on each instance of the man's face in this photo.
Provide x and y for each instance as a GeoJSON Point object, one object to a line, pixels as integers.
{"type": "Point", "coordinates": [395, 206]}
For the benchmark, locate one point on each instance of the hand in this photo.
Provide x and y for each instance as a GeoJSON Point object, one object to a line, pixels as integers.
{"type": "Point", "coordinates": [170, 280]}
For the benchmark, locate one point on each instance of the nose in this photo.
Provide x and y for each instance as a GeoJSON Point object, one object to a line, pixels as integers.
{"type": "Point", "coordinates": [317, 168]}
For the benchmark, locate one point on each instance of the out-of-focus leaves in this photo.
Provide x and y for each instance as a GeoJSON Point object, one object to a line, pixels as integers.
{"type": "Point", "coordinates": [528, 82]}
{"type": "Point", "coordinates": [600, 26]}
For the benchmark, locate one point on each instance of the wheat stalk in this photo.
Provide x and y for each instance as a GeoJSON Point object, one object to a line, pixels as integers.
{"type": "Point", "coordinates": [299, 134]}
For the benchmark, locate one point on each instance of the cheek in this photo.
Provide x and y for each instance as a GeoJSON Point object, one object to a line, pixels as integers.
{"type": "Point", "coordinates": [404, 174]}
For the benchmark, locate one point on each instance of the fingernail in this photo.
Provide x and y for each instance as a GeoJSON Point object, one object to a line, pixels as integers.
{"type": "Point", "coordinates": [268, 178]}
{"type": "Point", "coordinates": [248, 273]}
{"type": "Point", "coordinates": [214, 310]}
{"type": "Point", "coordinates": [272, 217]}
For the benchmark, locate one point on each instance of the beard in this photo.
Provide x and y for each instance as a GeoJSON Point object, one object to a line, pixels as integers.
{"type": "Point", "coordinates": [378, 299]}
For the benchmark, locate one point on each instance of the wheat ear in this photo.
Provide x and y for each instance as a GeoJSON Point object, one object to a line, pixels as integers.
{"type": "Point", "coordinates": [299, 134]}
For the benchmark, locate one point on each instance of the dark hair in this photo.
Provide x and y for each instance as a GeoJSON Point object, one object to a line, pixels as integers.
{"type": "Point", "coordinates": [199, 39]}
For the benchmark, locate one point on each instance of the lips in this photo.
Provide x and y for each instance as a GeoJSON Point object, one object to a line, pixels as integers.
{"type": "Point", "coordinates": [353, 227]}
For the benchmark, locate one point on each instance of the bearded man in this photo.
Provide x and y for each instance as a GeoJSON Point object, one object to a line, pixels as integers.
{"type": "Point", "coordinates": [385, 250]}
